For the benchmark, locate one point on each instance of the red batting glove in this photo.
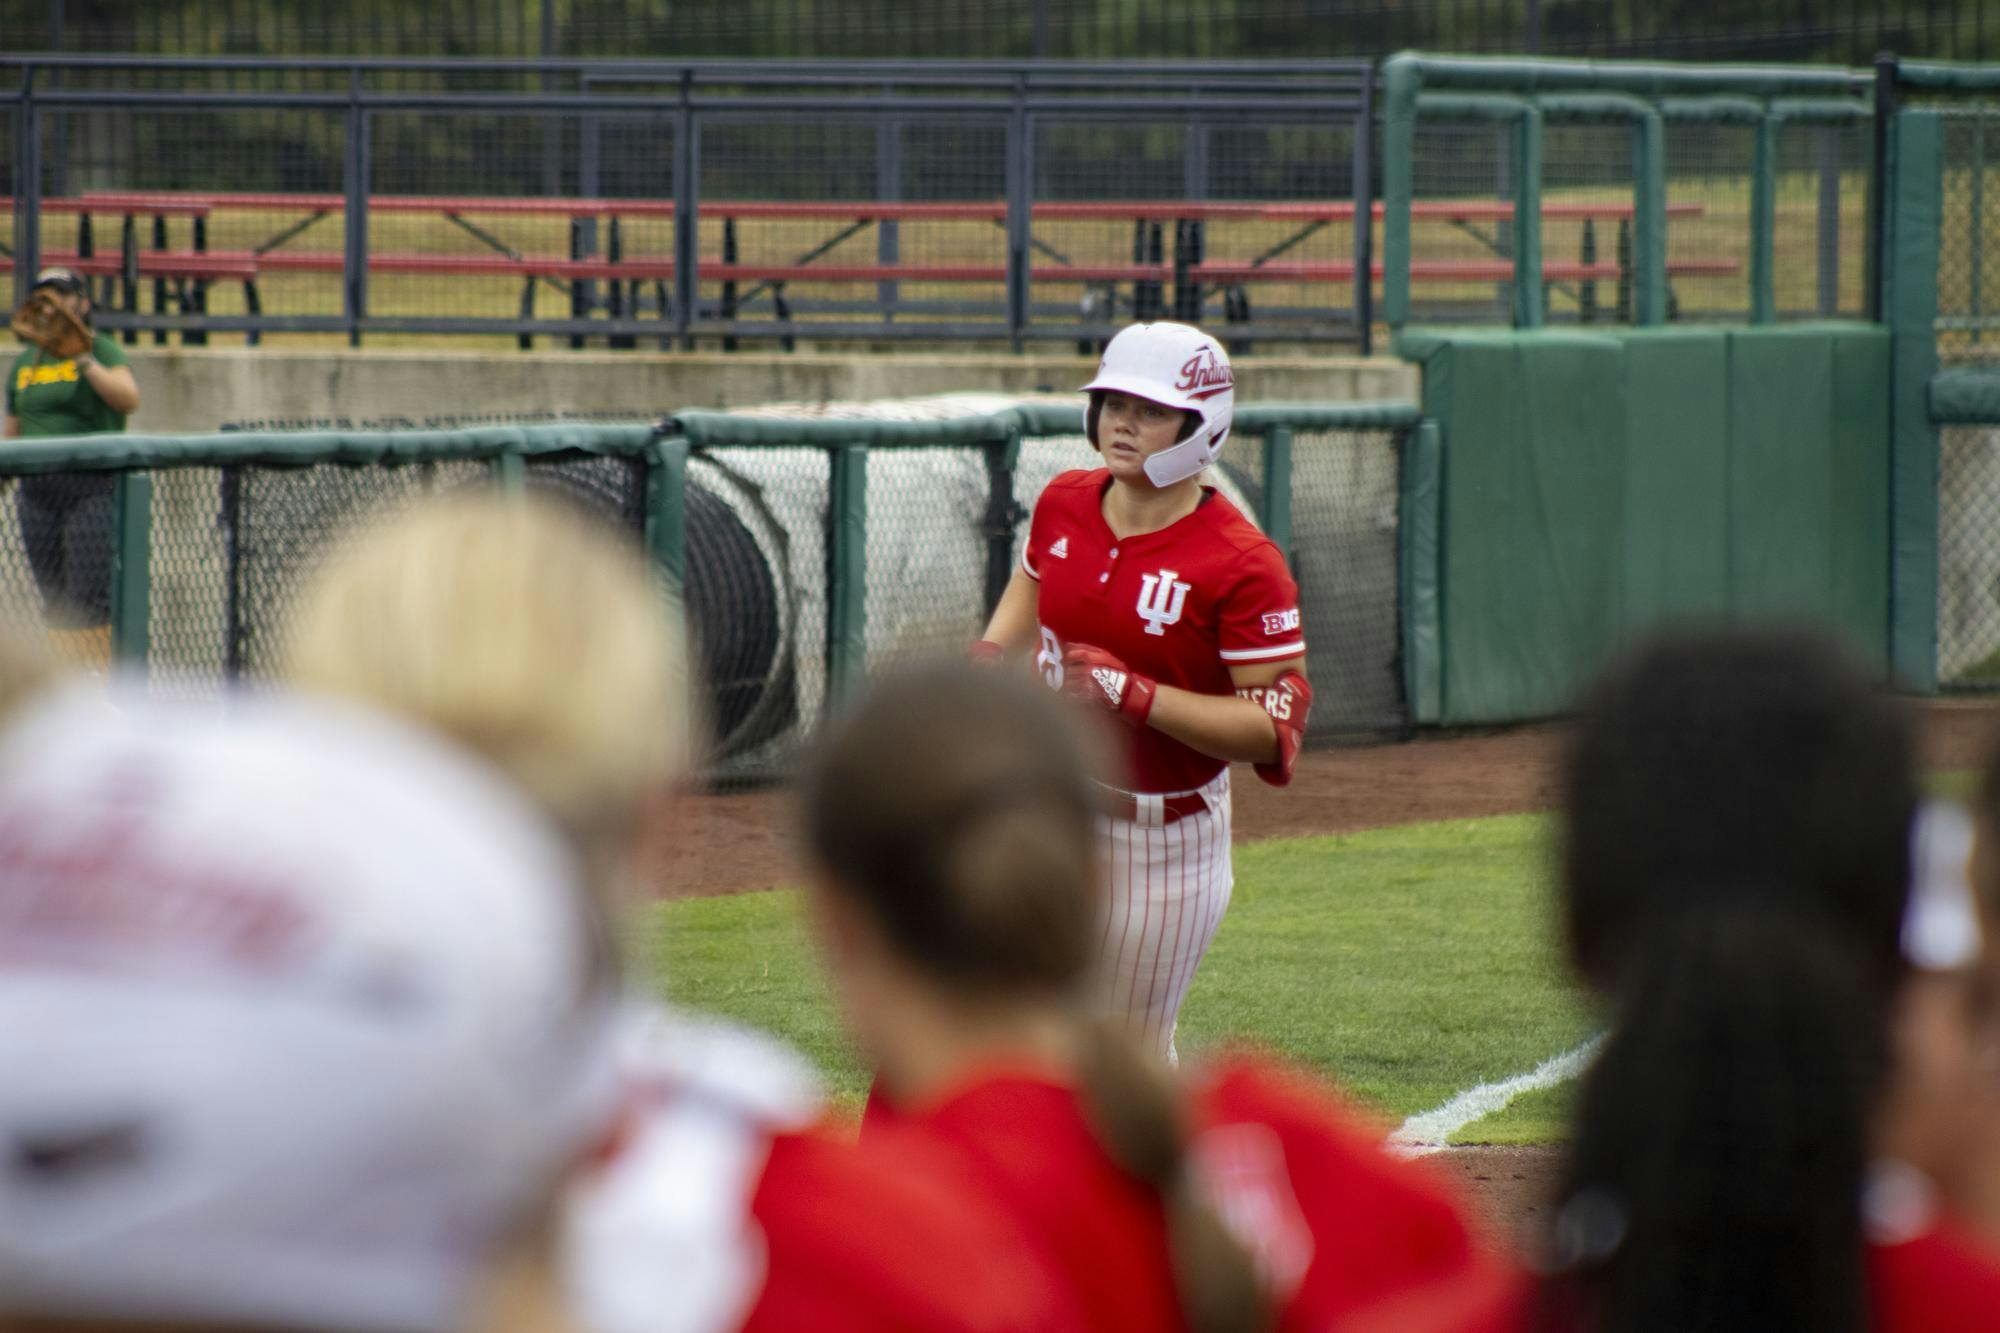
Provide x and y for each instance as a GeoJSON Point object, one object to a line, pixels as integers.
{"type": "Point", "coordinates": [985, 653]}
{"type": "Point", "coordinates": [1096, 677]}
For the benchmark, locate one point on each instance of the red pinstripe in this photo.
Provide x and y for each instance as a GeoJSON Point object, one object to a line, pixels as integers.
{"type": "Point", "coordinates": [1168, 888]}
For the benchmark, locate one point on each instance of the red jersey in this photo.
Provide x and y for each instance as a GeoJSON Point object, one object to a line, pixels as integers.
{"type": "Point", "coordinates": [1334, 1224]}
{"type": "Point", "coordinates": [1337, 1225]}
{"type": "Point", "coordinates": [1028, 1145]}
{"type": "Point", "coordinates": [1181, 605]}
{"type": "Point", "coordinates": [726, 1206]}
{"type": "Point", "coordinates": [1942, 1280]}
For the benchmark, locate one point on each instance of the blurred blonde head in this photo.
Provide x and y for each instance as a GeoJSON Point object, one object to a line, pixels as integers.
{"type": "Point", "coordinates": [523, 628]}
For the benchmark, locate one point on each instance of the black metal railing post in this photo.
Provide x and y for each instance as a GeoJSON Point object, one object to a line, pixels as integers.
{"type": "Point", "coordinates": [687, 233]}
{"type": "Point", "coordinates": [1002, 518]}
{"type": "Point", "coordinates": [354, 262]}
{"type": "Point", "coordinates": [27, 187]}
{"type": "Point", "coordinates": [1020, 211]}
{"type": "Point", "coordinates": [1364, 214]}
{"type": "Point", "coordinates": [889, 189]}
{"type": "Point", "coordinates": [1880, 186]}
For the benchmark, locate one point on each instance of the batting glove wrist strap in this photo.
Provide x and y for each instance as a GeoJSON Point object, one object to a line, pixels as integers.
{"type": "Point", "coordinates": [1098, 678]}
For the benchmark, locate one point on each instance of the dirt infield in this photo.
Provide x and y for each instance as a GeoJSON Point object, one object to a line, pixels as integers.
{"type": "Point", "coordinates": [740, 842]}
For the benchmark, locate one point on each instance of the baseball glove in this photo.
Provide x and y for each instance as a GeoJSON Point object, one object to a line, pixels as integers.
{"type": "Point", "coordinates": [44, 321]}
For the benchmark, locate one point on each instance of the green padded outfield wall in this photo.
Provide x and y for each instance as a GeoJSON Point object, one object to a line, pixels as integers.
{"type": "Point", "coordinates": [1531, 524]}
{"type": "Point", "coordinates": [1597, 485]}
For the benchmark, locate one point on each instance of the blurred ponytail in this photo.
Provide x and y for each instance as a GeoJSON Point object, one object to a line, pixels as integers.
{"type": "Point", "coordinates": [1721, 1141]}
{"type": "Point", "coordinates": [1140, 1118]}
{"type": "Point", "coordinates": [954, 806]}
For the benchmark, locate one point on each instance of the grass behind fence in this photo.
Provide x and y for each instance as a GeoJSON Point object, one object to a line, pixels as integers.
{"type": "Point", "coordinates": [1722, 231]}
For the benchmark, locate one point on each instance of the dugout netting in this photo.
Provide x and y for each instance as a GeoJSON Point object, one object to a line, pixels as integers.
{"type": "Point", "coordinates": [814, 544]}
{"type": "Point", "coordinates": [1967, 325]}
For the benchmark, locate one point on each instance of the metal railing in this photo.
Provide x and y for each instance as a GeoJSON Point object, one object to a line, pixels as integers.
{"type": "Point", "coordinates": [1524, 97]}
{"type": "Point", "coordinates": [983, 185]}
{"type": "Point", "coordinates": [808, 551]}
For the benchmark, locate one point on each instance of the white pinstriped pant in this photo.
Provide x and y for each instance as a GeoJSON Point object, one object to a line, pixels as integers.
{"type": "Point", "coordinates": [1169, 885]}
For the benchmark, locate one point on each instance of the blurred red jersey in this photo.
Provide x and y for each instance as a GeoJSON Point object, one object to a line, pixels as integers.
{"type": "Point", "coordinates": [726, 1206]}
{"type": "Point", "coordinates": [1181, 605]}
{"type": "Point", "coordinates": [1337, 1225]}
{"type": "Point", "coordinates": [1334, 1224]}
{"type": "Point", "coordinates": [1026, 1142]}
{"type": "Point", "coordinates": [1944, 1280]}
{"type": "Point", "coordinates": [1941, 1280]}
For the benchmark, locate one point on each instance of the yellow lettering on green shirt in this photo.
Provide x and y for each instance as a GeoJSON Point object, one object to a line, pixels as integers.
{"type": "Point", "coordinates": [62, 372]}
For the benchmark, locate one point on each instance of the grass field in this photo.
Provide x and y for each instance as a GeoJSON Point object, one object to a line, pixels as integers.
{"type": "Point", "coordinates": [1408, 964]}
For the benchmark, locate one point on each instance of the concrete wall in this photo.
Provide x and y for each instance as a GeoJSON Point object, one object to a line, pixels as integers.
{"type": "Point", "coordinates": [201, 389]}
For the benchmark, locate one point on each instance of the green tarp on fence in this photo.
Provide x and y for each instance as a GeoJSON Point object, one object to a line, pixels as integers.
{"type": "Point", "coordinates": [1595, 485]}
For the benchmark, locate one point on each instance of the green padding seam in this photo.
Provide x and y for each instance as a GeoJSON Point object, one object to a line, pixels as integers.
{"type": "Point", "coordinates": [1916, 205]}
{"type": "Point", "coordinates": [1419, 529]}
{"type": "Point", "coordinates": [1965, 397]}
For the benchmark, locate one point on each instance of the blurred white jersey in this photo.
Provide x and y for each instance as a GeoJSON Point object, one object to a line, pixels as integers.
{"type": "Point", "coordinates": [660, 1237]}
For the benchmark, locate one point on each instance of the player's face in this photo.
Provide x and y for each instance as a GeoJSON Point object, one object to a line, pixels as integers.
{"type": "Point", "coordinates": [1130, 430]}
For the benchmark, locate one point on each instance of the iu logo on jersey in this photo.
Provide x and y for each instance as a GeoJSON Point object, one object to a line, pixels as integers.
{"type": "Point", "coordinates": [1161, 597]}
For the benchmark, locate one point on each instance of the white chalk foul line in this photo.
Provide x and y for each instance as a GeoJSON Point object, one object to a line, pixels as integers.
{"type": "Point", "coordinates": [1430, 1131]}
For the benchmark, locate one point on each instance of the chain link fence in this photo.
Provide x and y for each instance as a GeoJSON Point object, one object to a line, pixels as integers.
{"type": "Point", "coordinates": [1710, 165]}
{"type": "Point", "coordinates": [1587, 203]}
{"type": "Point", "coordinates": [1820, 249]}
{"type": "Point", "coordinates": [1968, 625]}
{"type": "Point", "coordinates": [1456, 163]}
{"type": "Point", "coordinates": [1968, 314]}
{"type": "Point", "coordinates": [1968, 334]}
{"type": "Point", "coordinates": [238, 523]}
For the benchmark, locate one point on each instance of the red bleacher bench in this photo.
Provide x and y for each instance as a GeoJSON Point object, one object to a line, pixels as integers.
{"type": "Point", "coordinates": [204, 265]}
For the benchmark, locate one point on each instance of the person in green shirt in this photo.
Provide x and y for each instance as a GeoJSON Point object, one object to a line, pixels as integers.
{"type": "Point", "coordinates": [66, 518]}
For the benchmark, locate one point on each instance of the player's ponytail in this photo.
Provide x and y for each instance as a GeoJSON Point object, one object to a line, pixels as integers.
{"type": "Point", "coordinates": [1140, 1117]}
{"type": "Point", "coordinates": [1716, 1176]}
{"type": "Point", "coordinates": [954, 806]}
{"type": "Point", "coordinates": [1737, 813]}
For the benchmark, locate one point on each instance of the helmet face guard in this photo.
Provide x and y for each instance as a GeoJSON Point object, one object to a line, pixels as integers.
{"type": "Point", "coordinates": [1179, 366]}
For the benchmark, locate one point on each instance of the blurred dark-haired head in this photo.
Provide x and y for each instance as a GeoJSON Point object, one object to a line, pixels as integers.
{"type": "Point", "coordinates": [1737, 770]}
{"type": "Point", "coordinates": [1738, 808]}
{"type": "Point", "coordinates": [953, 807]}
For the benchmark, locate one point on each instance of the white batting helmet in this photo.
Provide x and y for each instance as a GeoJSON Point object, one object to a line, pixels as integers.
{"type": "Point", "coordinates": [1176, 365]}
{"type": "Point", "coordinates": [296, 1017]}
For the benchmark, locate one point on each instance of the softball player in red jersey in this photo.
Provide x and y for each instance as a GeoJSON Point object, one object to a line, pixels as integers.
{"type": "Point", "coordinates": [954, 889]}
{"type": "Point", "coordinates": [726, 1204]}
{"type": "Point", "coordinates": [1336, 1225]}
{"type": "Point", "coordinates": [1333, 1225]}
{"type": "Point", "coordinates": [1151, 596]}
